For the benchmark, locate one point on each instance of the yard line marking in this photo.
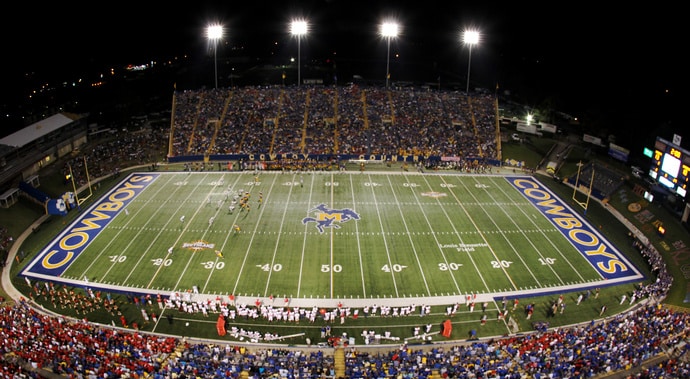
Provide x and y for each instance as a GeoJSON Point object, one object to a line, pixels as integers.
{"type": "Point", "coordinates": [457, 233]}
{"type": "Point", "coordinates": [331, 271]}
{"type": "Point", "coordinates": [385, 241]}
{"type": "Point", "coordinates": [304, 239]}
{"type": "Point", "coordinates": [502, 233]}
{"type": "Point", "coordinates": [280, 229]}
{"type": "Point", "coordinates": [479, 232]}
{"type": "Point", "coordinates": [205, 232]}
{"type": "Point", "coordinates": [249, 245]}
{"type": "Point", "coordinates": [112, 240]}
{"type": "Point", "coordinates": [227, 235]}
{"type": "Point", "coordinates": [433, 233]}
{"type": "Point", "coordinates": [609, 263]}
{"type": "Point", "coordinates": [359, 242]}
{"type": "Point", "coordinates": [409, 235]}
{"type": "Point", "coordinates": [542, 232]}
{"type": "Point", "coordinates": [181, 203]}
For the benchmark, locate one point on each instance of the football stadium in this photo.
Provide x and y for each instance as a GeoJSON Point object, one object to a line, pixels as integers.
{"type": "Point", "coordinates": [326, 232]}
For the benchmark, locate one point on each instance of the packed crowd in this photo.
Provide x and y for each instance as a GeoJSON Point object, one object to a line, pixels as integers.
{"type": "Point", "coordinates": [333, 120]}
{"type": "Point", "coordinates": [76, 348]}
{"type": "Point", "coordinates": [31, 341]}
{"type": "Point", "coordinates": [291, 120]}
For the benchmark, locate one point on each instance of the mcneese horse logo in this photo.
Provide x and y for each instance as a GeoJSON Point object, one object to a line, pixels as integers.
{"type": "Point", "coordinates": [325, 217]}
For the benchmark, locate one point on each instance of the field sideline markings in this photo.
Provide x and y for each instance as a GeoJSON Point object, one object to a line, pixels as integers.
{"type": "Point", "coordinates": [524, 210]}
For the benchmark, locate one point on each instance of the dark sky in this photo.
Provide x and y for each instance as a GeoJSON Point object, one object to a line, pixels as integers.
{"type": "Point", "coordinates": [581, 57]}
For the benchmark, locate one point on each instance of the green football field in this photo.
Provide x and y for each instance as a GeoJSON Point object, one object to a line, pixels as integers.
{"type": "Point", "coordinates": [325, 237]}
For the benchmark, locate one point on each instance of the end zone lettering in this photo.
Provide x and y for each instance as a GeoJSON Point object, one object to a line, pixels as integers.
{"type": "Point", "coordinates": [597, 250]}
{"type": "Point", "coordinates": [56, 257]}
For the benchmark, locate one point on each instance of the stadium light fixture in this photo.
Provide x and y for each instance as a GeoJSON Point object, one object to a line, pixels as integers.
{"type": "Point", "coordinates": [389, 30]}
{"type": "Point", "coordinates": [298, 28]}
{"type": "Point", "coordinates": [470, 37]}
{"type": "Point", "coordinates": [215, 33]}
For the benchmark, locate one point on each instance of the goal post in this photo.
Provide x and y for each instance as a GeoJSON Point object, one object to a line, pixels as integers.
{"type": "Point", "coordinates": [88, 183]}
{"type": "Point", "coordinates": [584, 204]}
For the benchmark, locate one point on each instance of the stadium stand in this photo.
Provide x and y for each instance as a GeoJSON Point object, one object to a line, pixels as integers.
{"type": "Point", "coordinates": [358, 121]}
{"type": "Point", "coordinates": [646, 342]}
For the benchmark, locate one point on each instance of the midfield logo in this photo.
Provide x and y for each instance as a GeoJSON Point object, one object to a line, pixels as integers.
{"type": "Point", "coordinates": [325, 217]}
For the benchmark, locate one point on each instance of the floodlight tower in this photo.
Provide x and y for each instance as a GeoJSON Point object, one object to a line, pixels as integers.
{"type": "Point", "coordinates": [389, 30]}
{"type": "Point", "coordinates": [470, 38]}
{"type": "Point", "coordinates": [215, 33]}
{"type": "Point", "coordinates": [298, 28]}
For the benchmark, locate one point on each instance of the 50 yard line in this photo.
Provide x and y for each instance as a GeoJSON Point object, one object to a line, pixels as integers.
{"type": "Point", "coordinates": [332, 234]}
{"type": "Point", "coordinates": [359, 243]}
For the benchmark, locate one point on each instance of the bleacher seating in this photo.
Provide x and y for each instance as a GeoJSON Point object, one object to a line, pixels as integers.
{"type": "Point", "coordinates": [33, 344]}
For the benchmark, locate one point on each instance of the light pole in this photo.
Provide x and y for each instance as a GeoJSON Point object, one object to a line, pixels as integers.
{"type": "Point", "coordinates": [389, 30]}
{"type": "Point", "coordinates": [214, 33]}
{"type": "Point", "coordinates": [470, 38]}
{"type": "Point", "coordinates": [298, 28]}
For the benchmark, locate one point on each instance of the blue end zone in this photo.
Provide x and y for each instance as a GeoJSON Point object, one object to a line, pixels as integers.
{"type": "Point", "coordinates": [602, 255]}
{"type": "Point", "coordinates": [56, 257]}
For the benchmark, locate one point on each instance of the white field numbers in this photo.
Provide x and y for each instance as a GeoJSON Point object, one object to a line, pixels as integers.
{"type": "Point", "coordinates": [451, 266]}
{"type": "Point", "coordinates": [268, 267]}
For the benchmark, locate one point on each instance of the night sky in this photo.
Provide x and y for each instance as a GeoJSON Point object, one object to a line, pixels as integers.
{"type": "Point", "coordinates": [623, 65]}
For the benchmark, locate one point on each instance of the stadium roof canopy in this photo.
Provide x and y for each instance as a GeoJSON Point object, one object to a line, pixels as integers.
{"type": "Point", "coordinates": [37, 130]}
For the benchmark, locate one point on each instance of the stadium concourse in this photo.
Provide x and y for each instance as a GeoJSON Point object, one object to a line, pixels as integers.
{"type": "Point", "coordinates": [646, 342]}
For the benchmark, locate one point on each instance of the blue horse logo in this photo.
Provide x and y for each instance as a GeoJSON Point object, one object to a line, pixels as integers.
{"type": "Point", "coordinates": [325, 217]}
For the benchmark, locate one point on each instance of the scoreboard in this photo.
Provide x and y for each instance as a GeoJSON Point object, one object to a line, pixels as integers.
{"type": "Point", "coordinates": [670, 166]}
